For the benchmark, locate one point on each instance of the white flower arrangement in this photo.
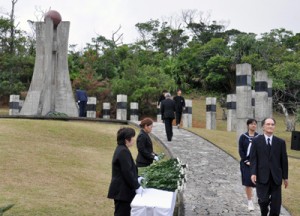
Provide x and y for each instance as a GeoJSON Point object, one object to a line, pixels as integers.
{"type": "Point", "coordinates": [167, 175]}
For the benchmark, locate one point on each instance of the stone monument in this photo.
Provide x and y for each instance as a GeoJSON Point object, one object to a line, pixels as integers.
{"type": "Point", "coordinates": [187, 117]}
{"type": "Point", "coordinates": [211, 108]}
{"type": "Point", "coordinates": [121, 107]}
{"type": "Point", "coordinates": [231, 115]}
{"type": "Point", "coordinates": [50, 89]}
{"type": "Point", "coordinates": [261, 98]}
{"type": "Point", "coordinates": [270, 96]}
{"type": "Point", "coordinates": [244, 108]}
{"type": "Point", "coordinates": [134, 111]}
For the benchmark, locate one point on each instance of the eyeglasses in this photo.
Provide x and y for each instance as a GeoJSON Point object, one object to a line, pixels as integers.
{"type": "Point", "coordinates": [270, 124]}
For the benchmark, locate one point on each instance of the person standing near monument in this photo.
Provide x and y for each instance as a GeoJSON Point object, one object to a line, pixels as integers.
{"type": "Point", "coordinates": [161, 98]}
{"type": "Point", "coordinates": [144, 144]}
{"type": "Point", "coordinates": [180, 106]}
{"type": "Point", "coordinates": [125, 182]}
{"type": "Point", "coordinates": [245, 143]}
{"type": "Point", "coordinates": [269, 168]}
{"type": "Point", "coordinates": [168, 114]}
{"type": "Point", "coordinates": [81, 98]}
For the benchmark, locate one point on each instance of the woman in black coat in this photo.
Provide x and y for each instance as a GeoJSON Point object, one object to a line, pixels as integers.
{"type": "Point", "coordinates": [145, 155]}
{"type": "Point", "coordinates": [245, 143]}
{"type": "Point", "coordinates": [124, 183]}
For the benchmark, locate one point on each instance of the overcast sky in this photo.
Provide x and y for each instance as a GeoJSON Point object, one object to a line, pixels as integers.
{"type": "Point", "coordinates": [91, 17]}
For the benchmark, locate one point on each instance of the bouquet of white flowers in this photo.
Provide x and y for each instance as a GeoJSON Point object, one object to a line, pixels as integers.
{"type": "Point", "coordinates": [166, 175]}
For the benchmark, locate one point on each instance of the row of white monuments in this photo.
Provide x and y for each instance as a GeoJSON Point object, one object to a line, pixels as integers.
{"type": "Point", "coordinates": [245, 104]}
{"type": "Point", "coordinates": [15, 106]}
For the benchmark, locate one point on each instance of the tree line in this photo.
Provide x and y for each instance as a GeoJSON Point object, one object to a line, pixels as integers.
{"type": "Point", "coordinates": [192, 52]}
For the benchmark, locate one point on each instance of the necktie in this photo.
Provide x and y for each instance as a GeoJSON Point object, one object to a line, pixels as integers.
{"type": "Point", "coordinates": [269, 145]}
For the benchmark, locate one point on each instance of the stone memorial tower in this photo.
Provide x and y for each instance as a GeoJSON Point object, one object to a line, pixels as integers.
{"type": "Point", "coordinates": [261, 98]}
{"type": "Point", "coordinates": [50, 89]}
{"type": "Point", "coordinates": [244, 108]}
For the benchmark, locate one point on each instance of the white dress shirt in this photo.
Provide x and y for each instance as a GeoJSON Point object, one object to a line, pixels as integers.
{"type": "Point", "coordinates": [266, 138]}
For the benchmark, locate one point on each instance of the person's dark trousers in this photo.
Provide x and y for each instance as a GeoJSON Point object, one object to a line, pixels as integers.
{"type": "Point", "coordinates": [178, 117]}
{"type": "Point", "coordinates": [269, 194]}
{"type": "Point", "coordinates": [169, 128]}
{"type": "Point", "coordinates": [122, 208]}
{"type": "Point", "coordinates": [82, 107]}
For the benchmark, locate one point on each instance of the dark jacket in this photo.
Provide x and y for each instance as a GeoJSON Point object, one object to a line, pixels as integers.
{"type": "Point", "coordinates": [179, 103]}
{"type": "Point", "coordinates": [167, 109]}
{"type": "Point", "coordinates": [262, 164]}
{"type": "Point", "coordinates": [160, 99]}
{"type": "Point", "coordinates": [81, 95]}
{"type": "Point", "coordinates": [145, 150]}
{"type": "Point", "coordinates": [244, 142]}
{"type": "Point", "coordinates": [124, 175]}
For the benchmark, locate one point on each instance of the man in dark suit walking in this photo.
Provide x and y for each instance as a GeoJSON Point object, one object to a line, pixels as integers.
{"type": "Point", "coordinates": [180, 106]}
{"type": "Point", "coordinates": [269, 167]}
{"type": "Point", "coordinates": [168, 114]}
{"type": "Point", "coordinates": [82, 99]}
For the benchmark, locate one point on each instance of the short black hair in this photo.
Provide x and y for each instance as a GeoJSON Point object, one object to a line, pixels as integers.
{"type": "Point", "coordinates": [251, 120]}
{"type": "Point", "coordinates": [263, 121]}
{"type": "Point", "coordinates": [123, 134]}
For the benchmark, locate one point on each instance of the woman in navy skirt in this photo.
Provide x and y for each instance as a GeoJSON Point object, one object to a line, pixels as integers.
{"type": "Point", "coordinates": [245, 143]}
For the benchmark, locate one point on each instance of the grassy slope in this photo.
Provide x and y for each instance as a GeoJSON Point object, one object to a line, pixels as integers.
{"type": "Point", "coordinates": [227, 141]}
{"type": "Point", "coordinates": [56, 167]}
{"type": "Point", "coordinates": [3, 111]}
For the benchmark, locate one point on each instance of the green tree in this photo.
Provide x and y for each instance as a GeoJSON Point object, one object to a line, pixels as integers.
{"type": "Point", "coordinates": [146, 31]}
{"type": "Point", "coordinates": [218, 77]}
{"type": "Point", "coordinates": [74, 62]}
{"type": "Point", "coordinates": [5, 25]}
{"type": "Point", "coordinates": [193, 63]}
{"type": "Point", "coordinates": [201, 27]}
{"type": "Point", "coordinates": [286, 82]}
{"type": "Point", "coordinates": [242, 45]}
{"type": "Point", "coordinates": [161, 37]}
{"type": "Point", "coordinates": [16, 66]}
{"type": "Point", "coordinates": [293, 42]}
{"type": "Point", "coordinates": [168, 40]}
{"type": "Point", "coordinates": [142, 84]}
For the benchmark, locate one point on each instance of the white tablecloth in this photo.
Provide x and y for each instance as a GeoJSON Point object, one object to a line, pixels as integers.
{"type": "Point", "coordinates": [153, 202]}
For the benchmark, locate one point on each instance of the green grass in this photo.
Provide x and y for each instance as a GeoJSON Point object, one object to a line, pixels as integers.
{"type": "Point", "coordinates": [4, 111]}
{"type": "Point", "coordinates": [227, 141]}
{"type": "Point", "coordinates": [56, 167]}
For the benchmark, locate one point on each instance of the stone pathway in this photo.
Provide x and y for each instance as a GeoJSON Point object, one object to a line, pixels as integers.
{"type": "Point", "coordinates": [213, 177]}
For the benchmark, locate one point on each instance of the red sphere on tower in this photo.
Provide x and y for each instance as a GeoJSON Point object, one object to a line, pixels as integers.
{"type": "Point", "coordinates": [55, 16]}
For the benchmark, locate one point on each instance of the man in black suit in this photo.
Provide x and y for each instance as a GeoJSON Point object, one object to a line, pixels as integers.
{"type": "Point", "coordinates": [161, 98]}
{"type": "Point", "coordinates": [269, 167]}
{"type": "Point", "coordinates": [168, 114]}
{"type": "Point", "coordinates": [82, 99]}
{"type": "Point", "coordinates": [180, 106]}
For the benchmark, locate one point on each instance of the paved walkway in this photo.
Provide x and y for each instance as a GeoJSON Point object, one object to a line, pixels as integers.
{"type": "Point", "coordinates": [213, 177]}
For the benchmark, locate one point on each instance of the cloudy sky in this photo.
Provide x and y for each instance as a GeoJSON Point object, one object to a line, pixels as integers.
{"type": "Point", "coordinates": [91, 17]}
